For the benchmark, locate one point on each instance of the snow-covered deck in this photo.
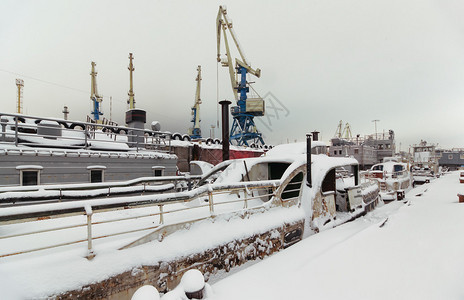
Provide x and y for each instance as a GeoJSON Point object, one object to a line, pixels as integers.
{"type": "Point", "coordinates": [411, 249]}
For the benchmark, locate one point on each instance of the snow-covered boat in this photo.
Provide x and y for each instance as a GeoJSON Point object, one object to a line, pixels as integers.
{"type": "Point", "coordinates": [44, 151]}
{"type": "Point", "coordinates": [393, 177]}
{"type": "Point", "coordinates": [240, 210]}
{"type": "Point", "coordinates": [425, 165]}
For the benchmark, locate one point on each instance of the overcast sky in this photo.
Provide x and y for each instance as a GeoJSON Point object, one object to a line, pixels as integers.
{"type": "Point", "coordinates": [400, 62]}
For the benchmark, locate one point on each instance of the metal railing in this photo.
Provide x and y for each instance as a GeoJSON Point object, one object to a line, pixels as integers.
{"type": "Point", "coordinates": [58, 192]}
{"type": "Point", "coordinates": [374, 174]}
{"type": "Point", "coordinates": [24, 130]}
{"type": "Point", "coordinates": [212, 201]}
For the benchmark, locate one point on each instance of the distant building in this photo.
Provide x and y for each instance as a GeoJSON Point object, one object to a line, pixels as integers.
{"type": "Point", "coordinates": [368, 151]}
{"type": "Point", "coordinates": [364, 154]}
{"type": "Point", "coordinates": [383, 143]}
{"type": "Point", "coordinates": [424, 156]}
{"type": "Point", "coordinates": [453, 159]}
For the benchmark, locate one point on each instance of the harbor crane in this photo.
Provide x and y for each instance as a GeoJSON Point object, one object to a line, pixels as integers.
{"type": "Point", "coordinates": [243, 131]}
{"type": "Point", "coordinates": [94, 96]}
{"type": "Point", "coordinates": [195, 131]}
{"type": "Point", "coordinates": [345, 133]}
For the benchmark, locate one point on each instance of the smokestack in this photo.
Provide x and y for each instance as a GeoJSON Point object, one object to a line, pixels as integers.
{"type": "Point", "coordinates": [315, 135]}
{"type": "Point", "coordinates": [225, 129]}
{"type": "Point", "coordinates": [308, 161]}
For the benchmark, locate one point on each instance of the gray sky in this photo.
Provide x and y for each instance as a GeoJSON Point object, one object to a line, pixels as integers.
{"type": "Point", "coordinates": [401, 62]}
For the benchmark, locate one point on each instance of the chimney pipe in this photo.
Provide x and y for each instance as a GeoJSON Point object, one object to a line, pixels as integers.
{"type": "Point", "coordinates": [308, 161]}
{"type": "Point", "coordinates": [225, 129]}
{"type": "Point", "coordinates": [315, 135]}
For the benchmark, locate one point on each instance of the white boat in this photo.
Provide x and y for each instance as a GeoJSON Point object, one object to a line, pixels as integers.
{"type": "Point", "coordinates": [247, 208]}
{"type": "Point", "coordinates": [425, 165]}
{"type": "Point", "coordinates": [393, 177]}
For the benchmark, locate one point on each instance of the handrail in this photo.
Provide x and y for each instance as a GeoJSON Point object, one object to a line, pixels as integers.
{"type": "Point", "coordinates": [85, 186]}
{"type": "Point", "coordinates": [372, 174]}
{"type": "Point", "coordinates": [158, 138]}
{"type": "Point", "coordinates": [11, 215]}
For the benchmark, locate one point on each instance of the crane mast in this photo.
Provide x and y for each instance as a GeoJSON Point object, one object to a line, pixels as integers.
{"type": "Point", "coordinates": [195, 131]}
{"type": "Point", "coordinates": [94, 96]}
{"type": "Point", "coordinates": [19, 101]}
{"type": "Point", "coordinates": [243, 131]}
{"type": "Point", "coordinates": [131, 100]}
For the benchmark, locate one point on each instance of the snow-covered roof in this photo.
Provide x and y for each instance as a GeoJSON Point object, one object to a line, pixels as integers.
{"type": "Point", "coordinates": [294, 148]}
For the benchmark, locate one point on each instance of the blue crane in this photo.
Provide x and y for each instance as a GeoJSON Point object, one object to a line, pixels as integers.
{"type": "Point", "coordinates": [243, 131]}
{"type": "Point", "coordinates": [195, 130]}
{"type": "Point", "coordinates": [94, 96]}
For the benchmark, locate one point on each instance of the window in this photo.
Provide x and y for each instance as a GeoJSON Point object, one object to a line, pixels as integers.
{"type": "Point", "coordinates": [335, 152]}
{"type": "Point", "coordinates": [158, 171]}
{"type": "Point", "coordinates": [97, 173]}
{"type": "Point", "coordinates": [356, 151]}
{"type": "Point", "coordinates": [29, 175]}
{"type": "Point", "coordinates": [96, 176]}
{"type": "Point", "coordinates": [397, 168]}
{"type": "Point", "coordinates": [292, 190]}
{"type": "Point", "coordinates": [377, 168]}
{"type": "Point", "coordinates": [450, 156]}
{"type": "Point", "coordinates": [340, 152]}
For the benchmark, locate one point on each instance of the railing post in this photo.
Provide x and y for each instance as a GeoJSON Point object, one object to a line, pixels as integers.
{"type": "Point", "coordinates": [85, 136]}
{"type": "Point", "coordinates": [89, 213]}
{"type": "Point", "coordinates": [161, 214]}
{"type": "Point", "coordinates": [16, 131]}
{"type": "Point", "coordinates": [4, 121]}
{"type": "Point", "coordinates": [189, 182]}
{"type": "Point", "coordinates": [211, 204]}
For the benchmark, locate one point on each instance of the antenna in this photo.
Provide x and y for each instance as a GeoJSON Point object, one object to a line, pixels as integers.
{"type": "Point", "coordinates": [19, 102]}
{"type": "Point", "coordinates": [111, 108]}
{"type": "Point", "coordinates": [375, 122]}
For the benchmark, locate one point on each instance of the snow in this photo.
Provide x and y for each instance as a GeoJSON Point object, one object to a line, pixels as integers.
{"type": "Point", "coordinates": [26, 167]}
{"type": "Point", "coordinates": [408, 249]}
{"type": "Point", "coordinates": [146, 292]}
{"type": "Point", "coordinates": [411, 249]}
{"type": "Point", "coordinates": [37, 275]}
{"type": "Point", "coordinates": [295, 148]}
{"type": "Point", "coordinates": [193, 281]}
{"type": "Point", "coordinates": [8, 149]}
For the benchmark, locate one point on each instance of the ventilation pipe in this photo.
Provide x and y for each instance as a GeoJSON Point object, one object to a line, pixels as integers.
{"type": "Point", "coordinates": [225, 129]}
{"type": "Point", "coordinates": [308, 161]}
{"type": "Point", "coordinates": [315, 135]}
